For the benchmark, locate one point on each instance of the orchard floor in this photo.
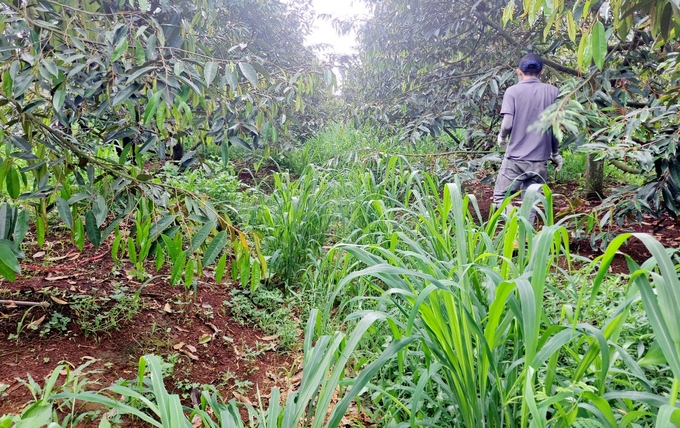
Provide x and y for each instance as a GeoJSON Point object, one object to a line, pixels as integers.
{"type": "Point", "coordinates": [196, 332]}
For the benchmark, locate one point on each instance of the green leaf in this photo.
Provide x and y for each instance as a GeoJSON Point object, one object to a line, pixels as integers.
{"type": "Point", "coordinates": [210, 71]}
{"type": "Point", "coordinates": [100, 210]}
{"type": "Point", "coordinates": [40, 231]}
{"type": "Point", "coordinates": [263, 71]}
{"type": "Point", "coordinates": [667, 20]}
{"type": "Point", "coordinates": [124, 94]}
{"type": "Point", "coordinates": [8, 257]}
{"type": "Point", "coordinates": [7, 84]}
{"type": "Point", "coordinates": [189, 274]}
{"type": "Point", "coordinates": [151, 48]}
{"type": "Point", "coordinates": [13, 182]}
{"type": "Point", "coordinates": [142, 71]}
{"type": "Point", "coordinates": [64, 211]}
{"type": "Point", "coordinates": [571, 26]}
{"type": "Point", "coordinates": [201, 236]}
{"type": "Point", "coordinates": [50, 66]}
{"type": "Point", "coordinates": [160, 257]}
{"type": "Point", "coordinates": [508, 12]}
{"type": "Point", "coordinates": [93, 232]}
{"type": "Point", "coordinates": [120, 48]}
{"type": "Point", "coordinates": [21, 143]}
{"type": "Point", "coordinates": [580, 56]}
{"type": "Point", "coordinates": [140, 56]}
{"type": "Point", "coordinates": [20, 227]}
{"type": "Point", "coordinates": [151, 108]}
{"type": "Point", "coordinates": [132, 252]}
{"type": "Point", "coordinates": [160, 227]}
{"type": "Point", "coordinates": [255, 275]}
{"type": "Point", "coordinates": [249, 72]}
{"type": "Point", "coordinates": [178, 268]}
{"type": "Point", "coordinates": [79, 233]}
{"type": "Point", "coordinates": [116, 246]}
{"type": "Point", "coordinates": [214, 248]}
{"type": "Point", "coordinates": [231, 75]}
{"type": "Point", "coordinates": [6, 272]}
{"type": "Point", "coordinates": [220, 269]}
{"type": "Point", "coordinates": [224, 153]}
{"type": "Point", "coordinates": [104, 423]}
{"type": "Point", "coordinates": [599, 45]}
{"type": "Point", "coordinates": [58, 100]}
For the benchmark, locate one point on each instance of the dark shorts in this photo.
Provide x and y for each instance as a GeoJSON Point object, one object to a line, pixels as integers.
{"type": "Point", "coordinates": [517, 175]}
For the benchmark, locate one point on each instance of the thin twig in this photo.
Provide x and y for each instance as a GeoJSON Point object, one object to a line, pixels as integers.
{"type": "Point", "coordinates": [24, 303]}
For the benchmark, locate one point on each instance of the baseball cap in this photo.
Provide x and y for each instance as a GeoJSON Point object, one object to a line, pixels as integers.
{"type": "Point", "coordinates": [531, 63]}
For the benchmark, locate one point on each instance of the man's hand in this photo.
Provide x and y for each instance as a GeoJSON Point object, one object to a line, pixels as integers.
{"type": "Point", "coordinates": [558, 161]}
{"type": "Point", "coordinates": [501, 140]}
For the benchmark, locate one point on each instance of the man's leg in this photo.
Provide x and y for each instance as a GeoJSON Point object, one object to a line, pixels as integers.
{"type": "Point", "coordinates": [536, 172]}
{"type": "Point", "coordinates": [506, 182]}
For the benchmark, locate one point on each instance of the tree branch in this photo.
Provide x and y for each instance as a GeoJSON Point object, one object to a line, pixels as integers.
{"type": "Point", "coordinates": [507, 36]}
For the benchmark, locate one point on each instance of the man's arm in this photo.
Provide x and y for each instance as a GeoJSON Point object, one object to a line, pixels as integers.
{"type": "Point", "coordinates": [556, 157]}
{"type": "Point", "coordinates": [506, 129]}
{"type": "Point", "coordinates": [506, 126]}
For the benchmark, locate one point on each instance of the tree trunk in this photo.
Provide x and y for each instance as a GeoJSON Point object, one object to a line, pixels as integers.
{"type": "Point", "coordinates": [594, 178]}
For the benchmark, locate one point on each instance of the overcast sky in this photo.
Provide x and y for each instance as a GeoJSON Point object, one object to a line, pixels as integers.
{"type": "Point", "coordinates": [324, 32]}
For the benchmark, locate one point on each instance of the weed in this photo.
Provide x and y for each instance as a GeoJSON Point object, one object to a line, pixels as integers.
{"type": "Point", "coordinates": [243, 386]}
{"type": "Point", "coordinates": [101, 314]}
{"type": "Point", "coordinates": [268, 310]}
{"type": "Point", "coordinates": [58, 323]}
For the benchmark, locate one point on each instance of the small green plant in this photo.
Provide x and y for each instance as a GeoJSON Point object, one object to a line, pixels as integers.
{"type": "Point", "coordinates": [296, 228]}
{"type": "Point", "coordinates": [98, 315]}
{"type": "Point", "coordinates": [269, 310]}
{"type": "Point", "coordinates": [58, 323]}
{"type": "Point", "coordinates": [243, 386]}
{"type": "Point", "coordinates": [48, 407]}
{"type": "Point", "coordinates": [21, 326]}
{"type": "Point", "coordinates": [139, 247]}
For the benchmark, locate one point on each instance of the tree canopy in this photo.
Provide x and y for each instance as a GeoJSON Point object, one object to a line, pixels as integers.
{"type": "Point", "coordinates": [80, 77]}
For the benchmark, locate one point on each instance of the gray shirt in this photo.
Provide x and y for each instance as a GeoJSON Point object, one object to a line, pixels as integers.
{"type": "Point", "coordinates": [526, 101]}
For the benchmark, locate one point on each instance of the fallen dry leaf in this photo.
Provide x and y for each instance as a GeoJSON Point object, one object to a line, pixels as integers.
{"type": "Point", "coordinates": [183, 330]}
{"type": "Point", "coordinates": [39, 254]}
{"type": "Point", "coordinates": [270, 338]}
{"type": "Point", "coordinates": [237, 352]}
{"type": "Point", "coordinates": [178, 346]}
{"type": "Point", "coordinates": [59, 301]}
{"type": "Point", "coordinates": [192, 348]}
{"type": "Point", "coordinates": [242, 398]}
{"type": "Point", "coordinates": [213, 326]}
{"type": "Point", "coordinates": [167, 308]}
{"type": "Point", "coordinates": [56, 278]}
{"type": "Point", "coordinates": [189, 354]}
{"type": "Point", "coordinates": [54, 259]}
{"type": "Point", "coordinates": [196, 421]}
{"type": "Point", "coordinates": [37, 322]}
{"type": "Point", "coordinates": [297, 378]}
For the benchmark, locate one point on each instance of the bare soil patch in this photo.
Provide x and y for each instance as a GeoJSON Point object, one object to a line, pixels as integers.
{"type": "Point", "coordinates": [87, 291]}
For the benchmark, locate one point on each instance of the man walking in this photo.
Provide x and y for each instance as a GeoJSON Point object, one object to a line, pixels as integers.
{"type": "Point", "coordinates": [528, 151]}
